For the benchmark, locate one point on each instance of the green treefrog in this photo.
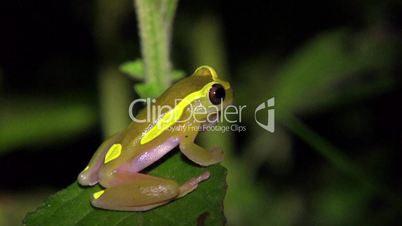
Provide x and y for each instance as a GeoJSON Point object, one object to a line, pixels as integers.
{"type": "Point", "coordinates": [118, 162]}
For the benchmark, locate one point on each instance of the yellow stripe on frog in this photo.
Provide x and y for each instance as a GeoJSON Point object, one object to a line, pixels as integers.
{"type": "Point", "coordinates": [174, 115]}
{"type": "Point", "coordinates": [113, 153]}
{"type": "Point", "coordinates": [97, 194]}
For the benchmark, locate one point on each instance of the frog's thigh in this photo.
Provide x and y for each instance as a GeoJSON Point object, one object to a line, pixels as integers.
{"type": "Point", "coordinates": [140, 193]}
{"type": "Point", "coordinates": [89, 176]}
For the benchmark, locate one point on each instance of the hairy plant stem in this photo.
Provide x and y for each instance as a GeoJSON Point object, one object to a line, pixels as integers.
{"type": "Point", "coordinates": [155, 19]}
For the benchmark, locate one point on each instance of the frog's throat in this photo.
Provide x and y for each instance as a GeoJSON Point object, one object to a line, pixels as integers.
{"type": "Point", "coordinates": [172, 116]}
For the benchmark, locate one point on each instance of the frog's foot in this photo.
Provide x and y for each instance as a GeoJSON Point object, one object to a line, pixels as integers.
{"type": "Point", "coordinates": [192, 184]}
{"type": "Point", "coordinates": [198, 154]}
{"type": "Point", "coordinates": [89, 176]}
{"type": "Point", "coordinates": [143, 192]}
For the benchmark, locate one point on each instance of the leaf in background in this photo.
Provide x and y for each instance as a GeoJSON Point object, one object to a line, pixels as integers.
{"type": "Point", "coordinates": [332, 205]}
{"type": "Point", "coordinates": [114, 100]}
{"type": "Point", "coordinates": [146, 90]}
{"type": "Point", "coordinates": [178, 74]}
{"type": "Point", "coordinates": [322, 70]}
{"type": "Point", "coordinates": [15, 204]}
{"type": "Point", "coordinates": [204, 206]}
{"type": "Point", "coordinates": [134, 68]}
{"type": "Point", "coordinates": [27, 121]}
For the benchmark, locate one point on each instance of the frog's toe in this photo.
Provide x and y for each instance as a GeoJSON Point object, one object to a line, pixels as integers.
{"type": "Point", "coordinates": [218, 154]}
{"type": "Point", "coordinates": [88, 177]}
{"type": "Point", "coordinates": [192, 184]}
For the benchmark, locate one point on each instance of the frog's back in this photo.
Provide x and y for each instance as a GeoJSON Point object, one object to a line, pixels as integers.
{"type": "Point", "coordinates": [131, 140]}
{"type": "Point", "coordinates": [167, 101]}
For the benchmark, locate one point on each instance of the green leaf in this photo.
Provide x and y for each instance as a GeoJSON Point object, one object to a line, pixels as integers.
{"type": "Point", "coordinates": [178, 74]}
{"type": "Point", "coordinates": [134, 68]}
{"type": "Point", "coordinates": [327, 66]}
{"type": "Point", "coordinates": [32, 121]}
{"type": "Point", "coordinates": [153, 90]}
{"type": "Point", "coordinates": [145, 90]}
{"type": "Point", "coordinates": [204, 206]}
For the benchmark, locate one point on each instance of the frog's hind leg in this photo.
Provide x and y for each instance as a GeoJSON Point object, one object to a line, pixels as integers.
{"type": "Point", "coordinates": [89, 176]}
{"type": "Point", "coordinates": [192, 184]}
{"type": "Point", "coordinates": [139, 192]}
{"type": "Point", "coordinates": [143, 192]}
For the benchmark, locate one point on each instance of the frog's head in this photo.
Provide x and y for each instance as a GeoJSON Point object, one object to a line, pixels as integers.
{"type": "Point", "coordinates": [202, 95]}
{"type": "Point", "coordinates": [215, 94]}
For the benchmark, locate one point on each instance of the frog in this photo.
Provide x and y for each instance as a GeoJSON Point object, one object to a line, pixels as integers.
{"type": "Point", "coordinates": [119, 163]}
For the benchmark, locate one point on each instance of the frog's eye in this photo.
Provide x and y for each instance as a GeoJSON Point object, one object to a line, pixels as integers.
{"type": "Point", "coordinates": [216, 94]}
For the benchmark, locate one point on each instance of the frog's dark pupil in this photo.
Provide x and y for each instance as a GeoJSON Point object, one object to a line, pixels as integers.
{"type": "Point", "coordinates": [216, 94]}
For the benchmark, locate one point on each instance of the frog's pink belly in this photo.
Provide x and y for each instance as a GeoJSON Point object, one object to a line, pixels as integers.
{"type": "Point", "coordinates": [150, 156]}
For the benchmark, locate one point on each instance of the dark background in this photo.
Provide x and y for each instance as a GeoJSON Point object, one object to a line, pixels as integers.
{"type": "Point", "coordinates": [53, 55]}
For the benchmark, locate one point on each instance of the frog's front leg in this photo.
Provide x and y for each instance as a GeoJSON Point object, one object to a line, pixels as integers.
{"type": "Point", "coordinates": [197, 153]}
{"type": "Point", "coordinates": [140, 192]}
